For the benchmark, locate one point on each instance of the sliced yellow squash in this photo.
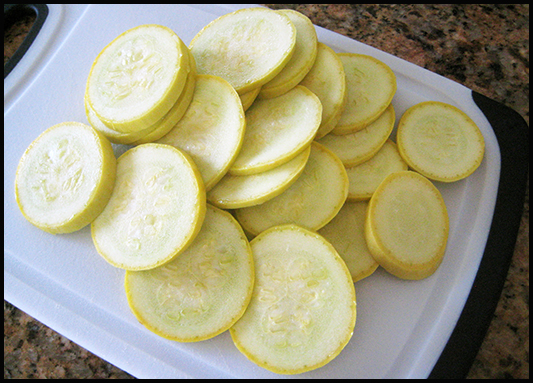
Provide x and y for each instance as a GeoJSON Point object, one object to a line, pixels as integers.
{"type": "Point", "coordinates": [156, 130]}
{"type": "Point", "coordinates": [248, 47]}
{"type": "Point", "coordinates": [301, 61]}
{"type": "Point", "coordinates": [406, 227]}
{"type": "Point", "coordinates": [312, 201]}
{"type": "Point", "coordinates": [138, 77]}
{"type": "Point", "coordinates": [370, 85]}
{"type": "Point", "coordinates": [277, 130]}
{"type": "Point", "coordinates": [65, 177]}
{"type": "Point", "coordinates": [233, 192]}
{"type": "Point", "coordinates": [346, 233]}
{"type": "Point", "coordinates": [303, 310]}
{"type": "Point", "coordinates": [212, 129]}
{"type": "Point", "coordinates": [440, 141]}
{"type": "Point", "coordinates": [326, 79]}
{"type": "Point", "coordinates": [156, 209]}
{"type": "Point", "coordinates": [356, 148]}
{"type": "Point", "coordinates": [366, 177]}
{"type": "Point", "coordinates": [201, 293]}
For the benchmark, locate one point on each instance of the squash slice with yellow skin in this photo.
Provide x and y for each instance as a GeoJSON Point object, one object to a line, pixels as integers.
{"type": "Point", "coordinates": [156, 209]}
{"type": "Point", "coordinates": [65, 177]}
{"type": "Point", "coordinates": [303, 310]}
{"type": "Point", "coordinates": [247, 48]}
{"type": "Point", "coordinates": [406, 227]}
{"type": "Point", "coordinates": [370, 86]}
{"type": "Point", "coordinates": [202, 292]}
{"type": "Point", "coordinates": [440, 141]}
{"type": "Point", "coordinates": [311, 202]}
{"type": "Point", "coordinates": [138, 77]}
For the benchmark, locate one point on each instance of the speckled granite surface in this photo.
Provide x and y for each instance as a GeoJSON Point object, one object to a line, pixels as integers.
{"type": "Point", "coordinates": [484, 47]}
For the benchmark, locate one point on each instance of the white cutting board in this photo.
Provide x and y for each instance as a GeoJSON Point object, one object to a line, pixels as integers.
{"type": "Point", "coordinates": [402, 326]}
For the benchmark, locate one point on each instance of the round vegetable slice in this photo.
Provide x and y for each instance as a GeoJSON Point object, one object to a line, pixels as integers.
{"type": "Point", "coordinates": [370, 84]}
{"type": "Point", "coordinates": [326, 79]}
{"type": "Point", "coordinates": [65, 177]}
{"type": "Point", "coordinates": [366, 177]}
{"type": "Point", "coordinates": [201, 293]}
{"type": "Point", "coordinates": [312, 201]}
{"type": "Point", "coordinates": [346, 233]}
{"type": "Point", "coordinates": [212, 129]}
{"type": "Point", "coordinates": [234, 192]}
{"type": "Point", "coordinates": [277, 130]}
{"type": "Point", "coordinates": [138, 77]}
{"type": "Point", "coordinates": [156, 130]}
{"type": "Point", "coordinates": [440, 141]}
{"type": "Point", "coordinates": [301, 61]}
{"type": "Point", "coordinates": [406, 227]}
{"type": "Point", "coordinates": [156, 209]}
{"type": "Point", "coordinates": [248, 47]}
{"type": "Point", "coordinates": [303, 309]}
{"type": "Point", "coordinates": [356, 148]}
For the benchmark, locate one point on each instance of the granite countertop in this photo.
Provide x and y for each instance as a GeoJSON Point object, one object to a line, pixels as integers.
{"type": "Point", "coordinates": [484, 47]}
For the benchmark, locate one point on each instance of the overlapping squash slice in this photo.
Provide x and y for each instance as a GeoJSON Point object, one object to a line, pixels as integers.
{"type": "Point", "coordinates": [406, 227]}
{"type": "Point", "coordinates": [248, 47]}
{"type": "Point", "coordinates": [202, 292]}
{"type": "Point", "coordinates": [356, 148]}
{"type": "Point", "coordinates": [212, 129]}
{"type": "Point", "coordinates": [138, 77]}
{"type": "Point", "coordinates": [303, 310]}
{"type": "Point", "coordinates": [65, 177]}
{"type": "Point", "coordinates": [303, 58]}
{"type": "Point", "coordinates": [370, 85]}
{"type": "Point", "coordinates": [327, 80]}
{"type": "Point", "coordinates": [346, 233]}
{"type": "Point", "coordinates": [311, 202]}
{"type": "Point", "coordinates": [277, 130]}
{"type": "Point", "coordinates": [233, 192]}
{"type": "Point", "coordinates": [153, 132]}
{"type": "Point", "coordinates": [155, 211]}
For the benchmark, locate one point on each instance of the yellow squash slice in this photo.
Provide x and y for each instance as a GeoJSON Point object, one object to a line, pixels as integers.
{"type": "Point", "coordinates": [233, 192]}
{"type": "Point", "coordinates": [201, 293]}
{"type": "Point", "coordinates": [302, 60]}
{"type": "Point", "coordinates": [406, 227]}
{"type": "Point", "coordinates": [154, 131]}
{"type": "Point", "coordinates": [346, 233]}
{"type": "Point", "coordinates": [366, 177]}
{"type": "Point", "coordinates": [212, 129]}
{"type": "Point", "coordinates": [248, 47]}
{"type": "Point", "coordinates": [312, 201]}
{"type": "Point", "coordinates": [65, 177]}
{"type": "Point", "coordinates": [138, 77]}
{"type": "Point", "coordinates": [356, 148]}
{"type": "Point", "coordinates": [326, 79]}
{"type": "Point", "coordinates": [370, 84]}
{"type": "Point", "coordinates": [440, 141]}
{"type": "Point", "coordinates": [303, 310]}
{"type": "Point", "coordinates": [156, 209]}
{"type": "Point", "coordinates": [277, 130]}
